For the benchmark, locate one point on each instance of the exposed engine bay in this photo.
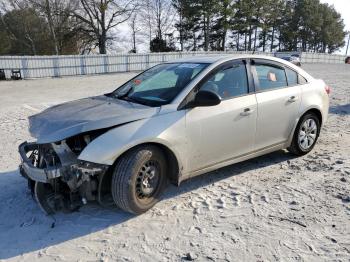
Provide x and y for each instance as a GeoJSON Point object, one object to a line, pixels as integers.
{"type": "Point", "coordinates": [59, 180]}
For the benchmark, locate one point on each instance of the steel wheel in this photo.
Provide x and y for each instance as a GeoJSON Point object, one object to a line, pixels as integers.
{"type": "Point", "coordinates": [148, 179]}
{"type": "Point", "coordinates": [139, 179]}
{"type": "Point", "coordinates": [307, 134]}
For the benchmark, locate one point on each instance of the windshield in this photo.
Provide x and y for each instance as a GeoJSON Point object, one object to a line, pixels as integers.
{"type": "Point", "coordinates": [160, 84]}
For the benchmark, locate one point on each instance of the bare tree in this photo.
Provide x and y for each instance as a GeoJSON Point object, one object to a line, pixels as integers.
{"type": "Point", "coordinates": [158, 17]}
{"type": "Point", "coordinates": [45, 7]}
{"type": "Point", "coordinates": [98, 17]}
{"type": "Point", "coordinates": [146, 21]}
{"type": "Point", "coordinates": [24, 36]}
{"type": "Point", "coordinates": [58, 16]}
{"type": "Point", "coordinates": [163, 16]}
{"type": "Point", "coordinates": [134, 25]}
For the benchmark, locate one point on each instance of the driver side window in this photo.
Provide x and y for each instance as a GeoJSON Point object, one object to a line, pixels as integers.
{"type": "Point", "coordinates": [228, 82]}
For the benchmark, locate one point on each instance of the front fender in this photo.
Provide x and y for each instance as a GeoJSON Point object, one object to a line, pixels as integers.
{"type": "Point", "coordinates": [167, 129]}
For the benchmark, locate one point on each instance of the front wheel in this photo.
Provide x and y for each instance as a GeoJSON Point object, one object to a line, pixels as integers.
{"type": "Point", "coordinates": [305, 134]}
{"type": "Point", "coordinates": [139, 179]}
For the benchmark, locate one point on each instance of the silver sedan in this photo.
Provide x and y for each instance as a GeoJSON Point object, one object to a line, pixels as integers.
{"type": "Point", "coordinates": [171, 122]}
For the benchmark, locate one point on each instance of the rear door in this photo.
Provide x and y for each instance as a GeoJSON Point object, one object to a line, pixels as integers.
{"type": "Point", "coordinates": [278, 102]}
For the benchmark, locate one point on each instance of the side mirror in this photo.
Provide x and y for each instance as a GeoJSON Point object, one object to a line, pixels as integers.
{"type": "Point", "coordinates": [205, 98]}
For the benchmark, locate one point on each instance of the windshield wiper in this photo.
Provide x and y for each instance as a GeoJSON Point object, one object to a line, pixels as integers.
{"type": "Point", "coordinates": [132, 100]}
{"type": "Point", "coordinates": [126, 94]}
{"type": "Point", "coordinates": [126, 97]}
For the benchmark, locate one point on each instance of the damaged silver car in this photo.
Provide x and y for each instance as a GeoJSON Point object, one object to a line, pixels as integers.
{"type": "Point", "coordinates": [171, 122]}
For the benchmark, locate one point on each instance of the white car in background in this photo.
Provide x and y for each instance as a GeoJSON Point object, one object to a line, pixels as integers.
{"type": "Point", "coordinates": [294, 59]}
{"type": "Point", "coordinates": [174, 121]}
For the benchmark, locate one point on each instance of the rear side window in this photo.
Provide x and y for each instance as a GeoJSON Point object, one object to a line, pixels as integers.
{"type": "Point", "coordinates": [270, 77]}
{"type": "Point", "coordinates": [228, 82]}
{"type": "Point", "coordinates": [292, 77]}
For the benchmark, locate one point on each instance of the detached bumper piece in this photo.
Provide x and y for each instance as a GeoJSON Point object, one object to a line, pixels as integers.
{"type": "Point", "coordinates": [57, 179]}
{"type": "Point", "coordinates": [30, 171]}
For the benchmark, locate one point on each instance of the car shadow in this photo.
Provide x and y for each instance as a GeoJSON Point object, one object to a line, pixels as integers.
{"type": "Point", "coordinates": [340, 109]}
{"type": "Point", "coordinates": [25, 229]}
{"type": "Point", "coordinates": [228, 171]}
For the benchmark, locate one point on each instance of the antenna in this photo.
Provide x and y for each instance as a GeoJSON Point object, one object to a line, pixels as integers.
{"type": "Point", "coordinates": [347, 48]}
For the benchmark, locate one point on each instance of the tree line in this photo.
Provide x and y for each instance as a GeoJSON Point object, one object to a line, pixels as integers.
{"type": "Point", "coordinates": [54, 27]}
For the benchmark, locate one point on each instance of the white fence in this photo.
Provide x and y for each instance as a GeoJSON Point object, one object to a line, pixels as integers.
{"type": "Point", "coordinates": [57, 66]}
{"type": "Point", "coordinates": [322, 58]}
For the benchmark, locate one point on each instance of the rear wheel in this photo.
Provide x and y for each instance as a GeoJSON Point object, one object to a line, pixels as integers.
{"type": "Point", "coordinates": [305, 134]}
{"type": "Point", "coordinates": [139, 179]}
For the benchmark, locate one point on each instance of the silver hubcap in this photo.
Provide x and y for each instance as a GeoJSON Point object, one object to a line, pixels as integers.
{"type": "Point", "coordinates": [147, 180]}
{"type": "Point", "coordinates": [307, 134]}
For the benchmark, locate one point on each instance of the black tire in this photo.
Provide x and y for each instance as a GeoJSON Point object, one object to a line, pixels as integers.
{"type": "Point", "coordinates": [104, 194]}
{"type": "Point", "coordinates": [128, 179]}
{"type": "Point", "coordinates": [44, 194]}
{"type": "Point", "coordinates": [295, 147]}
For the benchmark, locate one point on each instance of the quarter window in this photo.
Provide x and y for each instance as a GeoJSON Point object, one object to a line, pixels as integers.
{"type": "Point", "coordinates": [292, 77]}
{"type": "Point", "coordinates": [270, 77]}
{"type": "Point", "coordinates": [302, 80]}
{"type": "Point", "coordinates": [228, 82]}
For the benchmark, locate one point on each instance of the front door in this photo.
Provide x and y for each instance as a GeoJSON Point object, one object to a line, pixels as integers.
{"type": "Point", "coordinates": [219, 133]}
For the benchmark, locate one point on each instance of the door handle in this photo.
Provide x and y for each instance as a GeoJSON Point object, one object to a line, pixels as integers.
{"type": "Point", "coordinates": [247, 112]}
{"type": "Point", "coordinates": [292, 99]}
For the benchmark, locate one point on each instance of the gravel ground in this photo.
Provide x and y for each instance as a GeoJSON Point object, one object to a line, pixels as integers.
{"type": "Point", "coordinates": [273, 208]}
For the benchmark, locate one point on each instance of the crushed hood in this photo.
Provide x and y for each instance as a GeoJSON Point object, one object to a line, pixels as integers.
{"type": "Point", "coordinates": [66, 120]}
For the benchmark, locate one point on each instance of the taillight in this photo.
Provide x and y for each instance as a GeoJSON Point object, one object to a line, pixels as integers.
{"type": "Point", "coordinates": [328, 89]}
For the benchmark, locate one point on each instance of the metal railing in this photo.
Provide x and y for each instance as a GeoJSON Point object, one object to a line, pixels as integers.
{"type": "Point", "coordinates": [70, 65]}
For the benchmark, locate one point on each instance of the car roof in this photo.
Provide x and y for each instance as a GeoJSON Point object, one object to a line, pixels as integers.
{"type": "Point", "coordinates": [215, 60]}
{"type": "Point", "coordinates": [211, 59]}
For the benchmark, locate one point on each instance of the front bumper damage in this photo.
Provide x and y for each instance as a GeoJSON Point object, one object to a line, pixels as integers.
{"type": "Point", "coordinates": [58, 179]}
{"type": "Point", "coordinates": [29, 171]}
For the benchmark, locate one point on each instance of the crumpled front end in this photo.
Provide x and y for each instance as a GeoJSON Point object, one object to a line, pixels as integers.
{"type": "Point", "coordinates": [58, 179]}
